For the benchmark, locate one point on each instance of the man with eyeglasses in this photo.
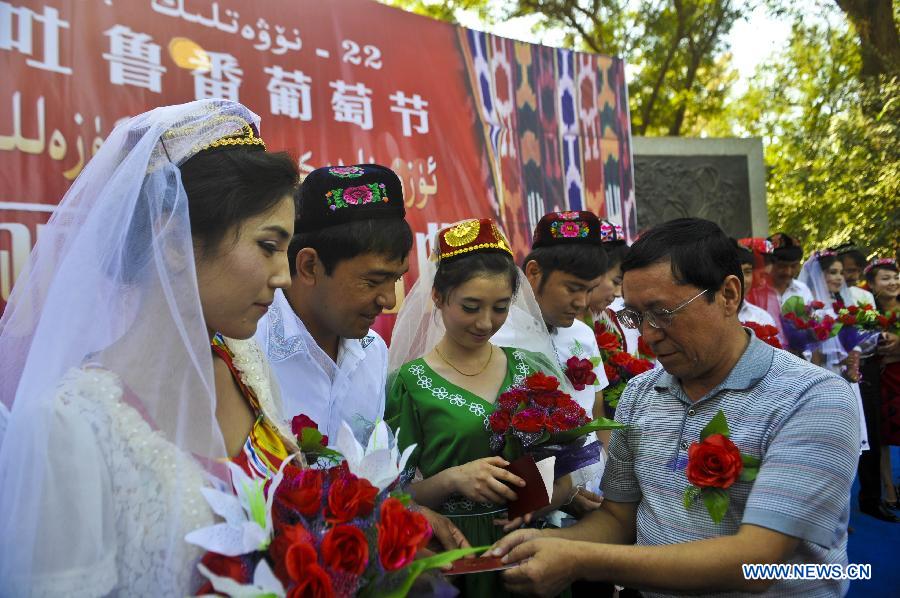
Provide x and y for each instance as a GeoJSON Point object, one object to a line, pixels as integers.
{"type": "Point", "coordinates": [683, 289]}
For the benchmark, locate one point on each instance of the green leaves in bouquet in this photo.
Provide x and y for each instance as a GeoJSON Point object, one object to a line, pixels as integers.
{"type": "Point", "coordinates": [601, 423]}
{"type": "Point", "coordinates": [794, 305]}
{"type": "Point", "coordinates": [311, 446]}
{"type": "Point", "coordinates": [612, 394]}
{"type": "Point", "coordinates": [416, 568]}
{"type": "Point", "coordinates": [716, 501]}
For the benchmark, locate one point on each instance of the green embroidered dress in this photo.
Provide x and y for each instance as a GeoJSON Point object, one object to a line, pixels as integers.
{"type": "Point", "coordinates": [449, 426]}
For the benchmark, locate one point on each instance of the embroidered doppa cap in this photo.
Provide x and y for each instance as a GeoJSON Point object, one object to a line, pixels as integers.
{"type": "Point", "coordinates": [336, 195]}
{"type": "Point", "coordinates": [785, 247]}
{"type": "Point", "coordinates": [882, 262]}
{"type": "Point", "coordinates": [564, 228]}
{"type": "Point", "coordinates": [471, 235]}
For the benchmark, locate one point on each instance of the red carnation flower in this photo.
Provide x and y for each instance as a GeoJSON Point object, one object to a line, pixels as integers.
{"type": "Point", "coordinates": [499, 421]}
{"type": "Point", "coordinates": [529, 420]}
{"type": "Point", "coordinates": [541, 381]}
{"type": "Point", "coordinates": [817, 305]}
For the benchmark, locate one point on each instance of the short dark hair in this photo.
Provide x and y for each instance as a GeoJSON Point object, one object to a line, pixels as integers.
{"type": "Point", "coordinates": [227, 187]}
{"type": "Point", "coordinates": [700, 253]}
{"type": "Point", "coordinates": [615, 253]}
{"type": "Point", "coordinates": [457, 270]}
{"type": "Point", "coordinates": [390, 237]}
{"type": "Point", "coordinates": [854, 254]}
{"type": "Point", "coordinates": [584, 261]}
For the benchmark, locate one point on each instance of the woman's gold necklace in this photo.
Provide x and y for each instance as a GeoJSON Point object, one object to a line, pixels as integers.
{"type": "Point", "coordinates": [484, 367]}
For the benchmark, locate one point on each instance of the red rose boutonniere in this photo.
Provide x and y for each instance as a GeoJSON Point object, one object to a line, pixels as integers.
{"type": "Point", "coordinates": [714, 464]}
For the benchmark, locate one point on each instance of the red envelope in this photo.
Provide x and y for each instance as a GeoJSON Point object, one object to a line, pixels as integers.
{"type": "Point", "coordinates": [535, 494]}
{"type": "Point", "coordinates": [477, 565]}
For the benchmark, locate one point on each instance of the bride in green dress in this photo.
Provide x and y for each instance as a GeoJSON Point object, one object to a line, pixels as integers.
{"type": "Point", "coordinates": [441, 400]}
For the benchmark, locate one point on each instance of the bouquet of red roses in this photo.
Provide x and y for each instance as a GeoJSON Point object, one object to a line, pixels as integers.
{"type": "Point", "coordinates": [861, 325]}
{"type": "Point", "coordinates": [620, 366]}
{"type": "Point", "coordinates": [764, 332]}
{"type": "Point", "coordinates": [536, 417]}
{"type": "Point", "coordinates": [319, 532]}
{"type": "Point", "coordinates": [804, 329]}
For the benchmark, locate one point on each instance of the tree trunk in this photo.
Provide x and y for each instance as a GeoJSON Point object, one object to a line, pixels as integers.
{"type": "Point", "coordinates": [879, 44]}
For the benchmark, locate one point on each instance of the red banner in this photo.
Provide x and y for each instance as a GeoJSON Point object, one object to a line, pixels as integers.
{"type": "Point", "coordinates": [475, 125]}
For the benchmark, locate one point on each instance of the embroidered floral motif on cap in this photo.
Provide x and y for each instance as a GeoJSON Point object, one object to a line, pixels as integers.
{"type": "Point", "coordinates": [463, 233]}
{"type": "Point", "coordinates": [356, 196]}
{"type": "Point", "coordinates": [501, 239]}
{"type": "Point", "coordinates": [569, 229]}
{"type": "Point", "coordinates": [568, 215]}
{"type": "Point", "coordinates": [346, 172]}
{"type": "Point", "coordinates": [611, 232]}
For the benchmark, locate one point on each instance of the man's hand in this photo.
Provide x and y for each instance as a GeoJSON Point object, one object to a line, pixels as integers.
{"type": "Point", "coordinates": [547, 566]}
{"type": "Point", "coordinates": [446, 535]}
{"type": "Point", "coordinates": [583, 503]}
{"type": "Point", "coordinates": [510, 541]}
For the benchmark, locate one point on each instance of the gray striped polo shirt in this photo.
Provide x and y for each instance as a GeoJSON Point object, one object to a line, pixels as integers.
{"type": "Point", "coordinates": [799, 419]}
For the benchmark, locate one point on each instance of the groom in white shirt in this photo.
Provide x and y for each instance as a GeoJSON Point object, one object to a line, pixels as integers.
{"type": "Point", "coordinates": [350, 247]}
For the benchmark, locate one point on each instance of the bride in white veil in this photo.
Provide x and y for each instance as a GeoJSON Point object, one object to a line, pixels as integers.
{"type": "Point", "coordinates": [107, 369]}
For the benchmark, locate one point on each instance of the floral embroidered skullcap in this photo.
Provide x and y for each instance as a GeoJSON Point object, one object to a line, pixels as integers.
{"type": "Point", "coordinates": [786, 247]}
{"type": "Point", "coordinates": [469, 236]}
{"type": "Point", "coordinates": [611, 232]}
{"type": "Point", "coordinates": [565, 228]}
{"type": "Point", "coordinates": [757, 245]}
{"type": "Point", "coordinates": [336, 195]}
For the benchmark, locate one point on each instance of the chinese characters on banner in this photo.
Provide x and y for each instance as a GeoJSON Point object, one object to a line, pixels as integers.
{"type": "Point", "coordinates": [475, 125]}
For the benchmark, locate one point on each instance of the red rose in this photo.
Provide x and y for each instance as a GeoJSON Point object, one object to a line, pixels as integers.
{"type": "Point", "coordinates": [345, 549]}
{"type": "Point", "coordinates": [817, 305]}
{"type": "Point", "coordinates": [580, 372]}
{"type": "Point", "coordinates": [234, 567]}
{"type": "Point", "coordinates": [401, 534]}
{"type": "Point", "coordinates": [821, 334]}
{"type": "Point", "coordinates": [837, 306]}
{"type": "Point", "coordinates": [853, 309]}
{"type": "Point", "coordinates": [315, 584]}
{"type": "Point", "coordinates": [867, 307]}
{"type": "Point", "coordinates": [607, 341]}
{"type": "Point", "coordinates": [621, 359]}
{"type": "Point", "coordinates": [499, 421]}
{"type": "Point", "coordinates": [715, 462]}
{"type": "Point", "coordinates": [300, 422]}
{"type": "Point", "coordinates": [541, 381]}
{"type": "Point", "coordinates": [638, 366]}
{"type": "Point", "coordinates": [848, 319]}
{"type": "Point", "coordinates": [883, 322]}
{"type": "Point", "coordinates": [564, 419]}
{"type": "Point", "coordinates": [612, 374]}
{"type": "Point", "coordinates": [529, 420]}
{"type": "Point", "coordinates": [644, 348]}
{"type": "Point", "coordinates": [350, 497]}
{"type": "Point", "coordinates": [303, 492]}
{"type": "Point", "coordinates": [511, 399]}
{"type": "Point", "coordinates": [295, 542]}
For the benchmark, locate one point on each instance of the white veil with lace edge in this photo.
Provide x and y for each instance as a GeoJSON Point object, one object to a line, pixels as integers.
{"type": "Point", "coordinates": [111, 284]}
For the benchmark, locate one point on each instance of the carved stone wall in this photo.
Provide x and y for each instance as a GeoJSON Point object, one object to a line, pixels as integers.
{"type": "Point", "coordinates": [718, 179]}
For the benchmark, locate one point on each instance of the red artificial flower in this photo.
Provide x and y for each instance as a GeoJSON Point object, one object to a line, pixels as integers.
{"type": "Point", "coordinates": [612, 374]}
{"type": "Point", "coordinates": [607, 341]}
{"type": "Point", "coordinates": [233, 567]}
{"type": "Point", "coordinates": [303, 492]}
{"type": "Point", "coordinates": [817, 305]}
{"type": "Point", "coordinates": [867, 307]}
{"type": "Point", "coordinates": [821, 334]}
{"type": "Point", "coordinates": [529, 420]}
{"type": "Point", "coordinates": [315, 583]}
{"type": "Point", "coordinates": [883, 321]}
{"type": "Point", "coordinates": [848, 319]}
{"type": "Point", "coordinates": [580, 372]}
{"type": "Point", "coordinates": [499, 421]}
{"type": "Point", "coordinates": [638, 366]}
{"type": "Point", "coordinates": [644, 348]}
{"type": "Point", "coordinates": [541, 381]}
{"type": "Point", "coordinates": [511, 399]}
{"type": "Point", "coordinates": [292, 551]}
{"type": "Point", "coordinates": [350, 497]}
{"type": "Point", "coordinates": [565, 419]}
{"type": "Point", "coordinates": [621, 359]}
{"type": "Point", "coordinates": [715, 462]}
{"type": "Point", "coordinates": [401, 534]}
{"type": "Point", "coordinates": [300, 422]}
{"type": "Point", "coordinates": [345, 549]}
{"type": "Point", "coordinates": [837, 306]}
{"type": "Point", "coordinates": [544, 399]}
{"type": "Point", "coordinates": [853, 309]}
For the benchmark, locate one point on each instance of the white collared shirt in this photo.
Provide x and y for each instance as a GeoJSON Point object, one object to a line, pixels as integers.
{"type": "Point", "coordinates": [858, 295]}
{"type": "Point", "coordinates": [796, 289]}
{"type": "Point", "coordinates": [755, 314]}
{"type": "Point", "coordinates": [351, 390]}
